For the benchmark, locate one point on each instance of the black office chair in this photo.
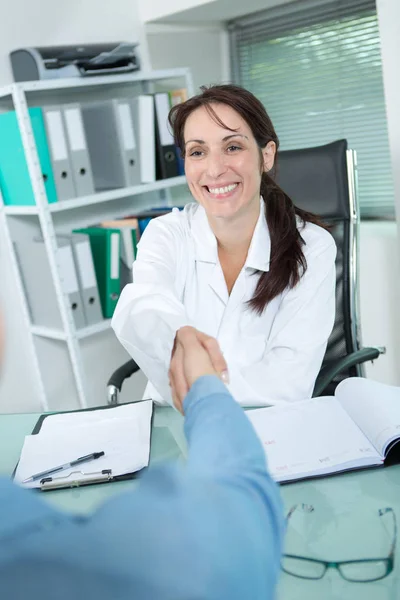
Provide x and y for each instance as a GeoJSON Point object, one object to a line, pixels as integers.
{"type": "Point", "coordinates": [321, 180]}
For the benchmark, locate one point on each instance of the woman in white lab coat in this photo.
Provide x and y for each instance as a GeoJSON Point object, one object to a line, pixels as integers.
{"type": "Point", "coordinates": [242, 264]}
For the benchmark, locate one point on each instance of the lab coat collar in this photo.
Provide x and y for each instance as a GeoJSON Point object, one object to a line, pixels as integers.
{"type": "Point", "coordinates": [259, 253]}
{"type": "Point", "coordinates": [204, 239]}
{"type": "Point", "coordinates": [258, 256]}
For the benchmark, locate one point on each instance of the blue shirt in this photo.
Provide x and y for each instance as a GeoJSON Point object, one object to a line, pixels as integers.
{"type": "Point", "coordinates": [210, 529]}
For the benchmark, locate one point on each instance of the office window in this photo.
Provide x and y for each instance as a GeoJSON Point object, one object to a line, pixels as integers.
{"type": "Point", "coordinates": [318, 71]}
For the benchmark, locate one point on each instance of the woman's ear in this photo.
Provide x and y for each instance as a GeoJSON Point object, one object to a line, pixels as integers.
{"type": "Point", "coordinates": [269, 156]}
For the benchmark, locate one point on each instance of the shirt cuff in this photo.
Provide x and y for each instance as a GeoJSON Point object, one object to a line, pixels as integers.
{"type": "Point", "coordinates": [204, 386]}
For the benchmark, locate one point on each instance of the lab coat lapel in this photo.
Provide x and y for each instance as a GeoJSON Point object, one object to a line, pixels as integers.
{"type": "Point", "coordinates": [206, 254]}
{"type": "Point", "coordinates": [238, 293]}
{"type": "Point", "coordinates": [257, 259]}
{"type": "Point", "coordinates": [218, 284]}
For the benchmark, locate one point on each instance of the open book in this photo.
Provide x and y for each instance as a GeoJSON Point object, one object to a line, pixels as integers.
{"type": "Point", "coordinates": [122, 433]}
{"type": "Point", "coordinates": [358, 427]}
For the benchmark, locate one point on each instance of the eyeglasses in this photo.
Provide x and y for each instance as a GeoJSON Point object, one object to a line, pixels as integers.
{"type": "Point", "coordinates": [361, 571]}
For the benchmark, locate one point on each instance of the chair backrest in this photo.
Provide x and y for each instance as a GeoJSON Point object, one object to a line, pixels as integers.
{"type": "Point", "coordinates": [320, 180]}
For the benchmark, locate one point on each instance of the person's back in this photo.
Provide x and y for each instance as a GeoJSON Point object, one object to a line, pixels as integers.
{"type": "Point", "coordinates": [211, 529]}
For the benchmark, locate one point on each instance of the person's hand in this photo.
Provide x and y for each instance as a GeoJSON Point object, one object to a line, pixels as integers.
{"type": "Point", "coordinates": [194, 354]}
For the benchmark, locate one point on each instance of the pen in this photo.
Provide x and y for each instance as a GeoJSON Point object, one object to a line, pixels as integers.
{"type": "Point", "coordinates": [79, 460]}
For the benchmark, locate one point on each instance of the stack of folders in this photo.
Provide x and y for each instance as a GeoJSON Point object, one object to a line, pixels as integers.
{"type": "Point", "coordinates": [86, 147]}
{"type": "Point", "coordinates": [95, 263]}
{"type": "Point", "coordinates": [108, 444]}
{"type": "Point", "coordinates": [62, 151]}
{"type": "Point", "coordinates": [113, 245]}
{"type": "Point", "coordinates": [357, 428]}
{"type": "Point", "coordinates": [139, 145]}
{"type": "Point", "coordinates": [75, 262]}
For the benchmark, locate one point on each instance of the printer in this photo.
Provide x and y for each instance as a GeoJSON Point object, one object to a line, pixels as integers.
{"type": "Point", "coordinates": [53, 62]}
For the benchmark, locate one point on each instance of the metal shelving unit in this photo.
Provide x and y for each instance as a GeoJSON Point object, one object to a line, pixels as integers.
{"type": "Point", "coordinates": [101, 205]}
{"type": "Point", "coordinates": [113, 195]}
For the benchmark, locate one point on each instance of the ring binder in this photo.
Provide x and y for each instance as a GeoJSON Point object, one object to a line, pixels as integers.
{"type": "Point", "coordinates": [59, 483]}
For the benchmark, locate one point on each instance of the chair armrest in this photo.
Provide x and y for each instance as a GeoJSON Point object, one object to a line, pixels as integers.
{"type": "Point", "coordinates": [116, 380]}
{"type": "Point", "coordinates": [355, 358]}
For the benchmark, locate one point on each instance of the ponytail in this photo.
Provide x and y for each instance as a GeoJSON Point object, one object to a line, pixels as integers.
{"type": "Point", "coordinates": [287, 260]}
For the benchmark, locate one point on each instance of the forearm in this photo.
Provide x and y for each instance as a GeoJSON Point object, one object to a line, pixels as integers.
{"type": "Point", "coordinates": [220, 437]}
{"type": "Point", "coordinates": [225, 454]}
{"type": "Point", "coordinates": [145, 323]}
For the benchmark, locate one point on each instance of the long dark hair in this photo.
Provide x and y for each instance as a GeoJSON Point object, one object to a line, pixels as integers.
{"type": "Point", "coordinates": [287, 260]}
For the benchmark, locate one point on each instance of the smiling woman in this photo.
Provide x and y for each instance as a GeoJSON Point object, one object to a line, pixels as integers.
{"type": "Point", "coordinates": [242, 264]}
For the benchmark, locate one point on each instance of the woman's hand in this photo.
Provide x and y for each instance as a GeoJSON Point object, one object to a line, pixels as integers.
{"type": "Point", "coordinates": [194, 354]}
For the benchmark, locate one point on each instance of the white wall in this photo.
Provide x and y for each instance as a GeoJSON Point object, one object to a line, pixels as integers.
{"type": "Point", "coordinates": [389, 26]}
{"type": "Point", "coordinates": [156, 9]}
{"type": "Point", "coordinates": [201, 48]}
{"type": "Point", "coordinates": [47, 22]}
{"type": "Point", "coordinates": [204, 11]}
{"type": "Point", "coordinates": [386, 270]}
{"type": "Point", "coordinates": [380, 297]}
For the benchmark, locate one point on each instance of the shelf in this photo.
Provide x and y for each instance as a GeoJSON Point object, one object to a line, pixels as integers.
{"type": "Point", "coordinates": [46, 332]}
{"type": "Point", "coordinates": [20, 210]}
{"type": "Point", "coordinates": [93, 329]}
{"type": "Point", "coordinates": [100, 197]}
{"type": "Point", "coordinates": [92, 81]}
{"type": "Point", "coordinates": [56, 334]}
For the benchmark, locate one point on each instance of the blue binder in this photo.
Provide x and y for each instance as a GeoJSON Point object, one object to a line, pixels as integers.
{"type": "Point", "coordinates": [15, 183]}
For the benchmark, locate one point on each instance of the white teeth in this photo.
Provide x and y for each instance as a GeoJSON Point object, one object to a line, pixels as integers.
{"type": "Point", "coordinates": [223, 190]}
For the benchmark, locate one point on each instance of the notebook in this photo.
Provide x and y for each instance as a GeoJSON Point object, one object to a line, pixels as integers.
{"type": "Point", "coordinates": [121, 432]}
{"type": "Point", "coordinates": [359, 427]}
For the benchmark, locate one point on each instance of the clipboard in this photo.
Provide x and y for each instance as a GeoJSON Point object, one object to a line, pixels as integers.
{"type": "Point", "coordinates": [92, 477]}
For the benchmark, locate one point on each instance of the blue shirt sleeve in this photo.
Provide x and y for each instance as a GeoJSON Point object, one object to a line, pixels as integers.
{"type": "Point", "coordinates": [209, 529]}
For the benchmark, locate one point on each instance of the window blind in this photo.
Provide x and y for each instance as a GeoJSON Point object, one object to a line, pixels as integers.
{"type": "Point", "coordinates": [318, 71]}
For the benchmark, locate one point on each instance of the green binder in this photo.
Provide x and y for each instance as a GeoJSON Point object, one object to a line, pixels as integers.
{"type": "Point", "coordinates": [128, 228]}
{"type": "Point", "coordinates": [106, 248]}
{"type": "Point", "coordinates": [15, 183]}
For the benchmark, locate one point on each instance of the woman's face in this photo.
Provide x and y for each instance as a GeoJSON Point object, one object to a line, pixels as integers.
{"type": "Point", "coordinates": [222, 166]}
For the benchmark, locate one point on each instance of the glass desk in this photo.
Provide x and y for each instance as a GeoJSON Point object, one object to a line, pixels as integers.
{"type": "Point", "coordinates": [343, 524]}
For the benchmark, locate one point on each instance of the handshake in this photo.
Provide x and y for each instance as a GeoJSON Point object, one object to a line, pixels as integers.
{"type": "Point", "coordinates": [194, 354]}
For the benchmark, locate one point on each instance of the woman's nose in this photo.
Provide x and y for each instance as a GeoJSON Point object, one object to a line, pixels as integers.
{"type": "Point", "coordinates": [216, 165]}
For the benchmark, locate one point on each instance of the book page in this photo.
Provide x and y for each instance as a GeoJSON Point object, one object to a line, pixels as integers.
{"type": "Point", "coordinates": [311, 437]}
{"type": "Point", "coordinates": [374, 406]}
{"type": "Point", "coordinates": [124, 440]}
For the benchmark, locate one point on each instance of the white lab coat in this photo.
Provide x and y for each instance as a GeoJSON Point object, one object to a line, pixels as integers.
{"type": "Point", "coordinates": [178, 280]}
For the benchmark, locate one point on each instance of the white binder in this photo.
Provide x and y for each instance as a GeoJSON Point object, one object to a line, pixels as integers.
{"type": "Point", "coordinates": [58, 147]}
{"type": "Point", "coordinates": [78, 151]}
{"type": "Point", "coordinates": [128, 137]}
{"type": "Point", "coordinates": [39, 285]}
{"type": "Point", "coordinates": [87, 278]}
{"type": "Point", "coordinates": [143, 111]}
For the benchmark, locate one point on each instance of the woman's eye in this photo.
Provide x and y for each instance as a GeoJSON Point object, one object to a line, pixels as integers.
{"type": "Point", "coordinates": [195, 153]}
{"type": "Point", "coordinates": [233, 148]}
